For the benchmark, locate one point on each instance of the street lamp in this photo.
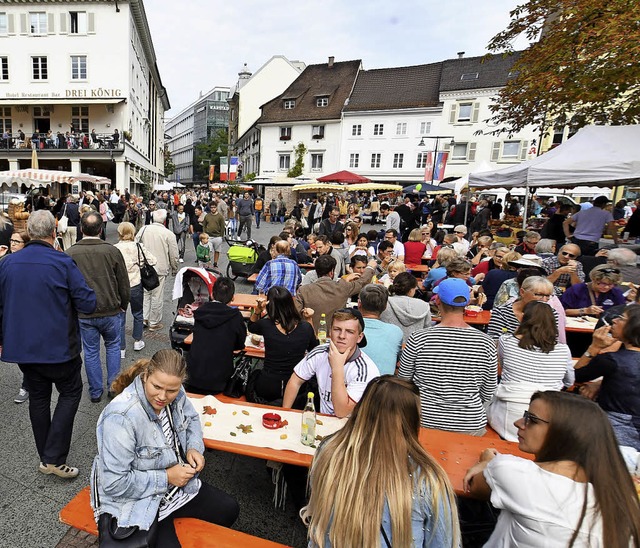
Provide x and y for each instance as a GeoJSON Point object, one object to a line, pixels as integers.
{"type": "Point", "coordinates": [435, 151]}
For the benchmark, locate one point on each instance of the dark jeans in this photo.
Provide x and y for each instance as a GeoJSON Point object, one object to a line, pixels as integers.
{"type": "Point", "coordinates": [135, 302]}
{"type": "Point", "coordinates": [245, 222]}
{"type": "Point", "coordinates": [210, 504]}
{"type": "Point", "coordinates": [53, 434]}
{"type": "Point", "coordinates": [587, 247]}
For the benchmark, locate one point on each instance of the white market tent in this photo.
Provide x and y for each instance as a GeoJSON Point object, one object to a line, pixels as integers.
{"type": "Point", "coordinates": [596, 155]}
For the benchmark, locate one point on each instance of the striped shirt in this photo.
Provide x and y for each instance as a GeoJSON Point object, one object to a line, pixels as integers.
{"type": "Point", "coordinates": [551, 370]}
{"type": "Point", "coordinates": [503, 320]}
{"type": "Point", "coordinates": [358, 371]}
{"type": "Point", "coordinates": [456, 370]}
{"type": "Point", "coordinates": [172, 499]}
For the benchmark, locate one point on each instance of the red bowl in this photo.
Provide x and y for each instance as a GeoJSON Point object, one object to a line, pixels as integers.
{"type": "Point", "coordinates": [271, 421]}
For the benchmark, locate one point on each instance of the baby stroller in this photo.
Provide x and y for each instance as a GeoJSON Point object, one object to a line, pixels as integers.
{"type": "Point", "coordinates": [192, 287]}
{"type": "Point", "coordinates": [242, 256]}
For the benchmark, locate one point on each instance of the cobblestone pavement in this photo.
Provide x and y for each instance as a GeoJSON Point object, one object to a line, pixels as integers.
{"type": "Point", "coordinates": [30, 502]}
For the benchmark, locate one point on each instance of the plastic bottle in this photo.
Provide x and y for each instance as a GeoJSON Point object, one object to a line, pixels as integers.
{"type": "Point", "coordinates": [308, 433]}
{"type": "Point", "coordinates": [322, 329]}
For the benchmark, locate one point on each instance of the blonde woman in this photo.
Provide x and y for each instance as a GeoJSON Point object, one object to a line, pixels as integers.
{"type": "Point", "coordinates": [134, 254]}
{"type": "Point", "coordinates": [372, 484]}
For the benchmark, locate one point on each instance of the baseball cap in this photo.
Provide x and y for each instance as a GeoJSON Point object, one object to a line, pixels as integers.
{"type": "Point", "coordinates": [453, 291]}
{"type": "Point", "coordinates": [358, 315]}
{"type": "Point", "coordinates": [601, 200]}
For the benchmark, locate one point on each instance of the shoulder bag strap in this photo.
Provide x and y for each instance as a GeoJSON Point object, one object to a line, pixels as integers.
{"type": "Point", "coordinates": [182, 459]}
{"type": "Point", "coordinates": [591, 295]}
{"type": "Point", "coordinates": [386, 538]}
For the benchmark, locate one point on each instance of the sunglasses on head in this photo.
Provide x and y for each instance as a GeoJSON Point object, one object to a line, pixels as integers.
{"type": "Point", "coordinates": [530, 418]}
{"type": "Point", "coordinates": [609, 271]}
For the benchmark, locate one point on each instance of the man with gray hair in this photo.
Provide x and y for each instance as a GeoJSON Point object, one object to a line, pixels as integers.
{"type": "Point", "coordinates": [626, 261]}
{"type": "Point", "coordinates": [384, 340]}
{"type": "Point", "coordinates": [41, 293]}
{"type": "Point", "coordinates": [161, 242]}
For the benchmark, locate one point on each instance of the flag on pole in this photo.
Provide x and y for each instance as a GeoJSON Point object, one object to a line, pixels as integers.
{"type": "Point", "coordinates": [224, 167]}
{"type": "Point", "coordinates": [212, 172]}
{"type": "Point", "coordinates": [233, 168]}
{"type": "Point", "coordinates": [441, 165]}
{"type": "Point", "coordinates": [428, 168]}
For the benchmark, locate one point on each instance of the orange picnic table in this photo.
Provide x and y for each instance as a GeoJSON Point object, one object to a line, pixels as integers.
{"type": "Point", "coordinates": [455, 452]}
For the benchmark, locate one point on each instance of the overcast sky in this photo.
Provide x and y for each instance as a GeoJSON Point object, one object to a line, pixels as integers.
{"type": "Point", "coordinates": [201, 44]}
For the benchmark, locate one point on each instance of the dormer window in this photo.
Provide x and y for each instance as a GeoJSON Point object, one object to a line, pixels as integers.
{"type": "Point", "coordinates": [322, 101]}
{"type": "Point", "coordinates": [469, 76]}
{"type": "Point", "coordinates": [289, 104]}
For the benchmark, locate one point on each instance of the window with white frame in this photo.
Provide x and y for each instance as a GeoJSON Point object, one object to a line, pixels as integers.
{"type": "Point", "coordinates": [317, 132]}
{"type": "Point", "coordinates": [511, 150]}
{"type": "Point", "coordinates": [80, 119]}
{"type": "Point", "coordinates": [316, 161]}
{"type": "Point", "coordinates": [284, 162]}
{"type": "Point", "coordinates": [78, 22]}
{"type": "Point", "coordinates": [4, 68]}
{"type": "Point", "coordinates": [5, 120]}
{"type": "Point", "coordinates": [354, 159]}
{"type": "Point", "coordinates": [401, 128]}
{"type": "Point", "coordinates": [78, 67]}
{"type": "Point", "coordinates": [462, 152]}
{"type": "Point", "coordinates": [38, 22]}
{"type": "Point", "coordinates": [378, 129]}
{"type": "Point", "coordinates": [375, 160]}
{"type": "Point", "coordinates": [322, 101]}
{"type": "Point", "coordinates": [425, 128]}
{"type": "Point", "coordinates": [39, 66]}
{"type": "Point", "coordinates": [398, 160]}
{"type": "Point", "coordinates": [4, 28]}
{"type": "Point", "coordinates": [421, 160]}
{"type": "Point", "coordinates": [464, 112]}
{"type": "Point", "coordinates": [285, 133]}
{"type": "Point", "coordinates": [356, 129]}
{"type": "Point", "coordinates": [289, 104]}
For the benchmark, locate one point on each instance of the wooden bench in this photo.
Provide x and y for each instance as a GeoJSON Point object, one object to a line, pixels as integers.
{"type": "Point", "coordinates": [191, 532]}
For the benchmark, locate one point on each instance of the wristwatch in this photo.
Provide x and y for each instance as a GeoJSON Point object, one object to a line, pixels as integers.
{"type": "Point", "coordinates": [588, 354]}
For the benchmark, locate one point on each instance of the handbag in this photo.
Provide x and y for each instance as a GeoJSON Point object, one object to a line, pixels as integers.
{"type": "Point", "coordinates": [110, 215]}
{"type": "Point", "coordinates": [148, 275]}
{"type": "Point", "coordinates": [63, 222]}
{"type": "Point", "coordinates": [110, 535]}
{"type": "Point", "coordinates": [237, 383]}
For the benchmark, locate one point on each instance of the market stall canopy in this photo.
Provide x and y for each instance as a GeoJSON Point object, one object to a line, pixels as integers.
{"type": "Point", "coordinates": [425, 188]}
{"type": "Point", "coordinates": [343, 177]}
{"type": "Point", "coordinates": [45, 177]}
{"type": "Point", "coordinates": [224, 186]}
{"type": "Point", "coordinates": [361, 187]}
{"type": "Point", "coordinates": [608, 155]}
{"type": "Point", "coordinates": [317, 187]}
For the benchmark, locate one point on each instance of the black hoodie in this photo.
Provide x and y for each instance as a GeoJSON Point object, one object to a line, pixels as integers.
{"type": "Point", "coordinates": [219, 330]}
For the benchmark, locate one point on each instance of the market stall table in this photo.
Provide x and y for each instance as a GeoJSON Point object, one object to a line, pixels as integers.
{"type": "Point", "coordinates": [455, 452]}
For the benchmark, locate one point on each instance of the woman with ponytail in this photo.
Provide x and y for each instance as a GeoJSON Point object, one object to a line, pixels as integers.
{"type": "Point", "coordinates": [150, 452]}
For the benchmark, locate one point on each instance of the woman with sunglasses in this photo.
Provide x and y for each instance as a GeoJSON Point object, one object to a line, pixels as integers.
{"type": "Point", "coordinates": [595, 297]}
{"type": "Point", "coordinates": [614, 355]}
{"type": "Point", "coordinates": [577, 490]}
{"type": "Point", "coordinates": [531, 360]}
{"type": "Point", "coordinates": [399, 498]}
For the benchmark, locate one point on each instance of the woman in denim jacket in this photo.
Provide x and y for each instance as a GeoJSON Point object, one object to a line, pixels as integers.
{"type": "Point", "coordinates": [140, 471]}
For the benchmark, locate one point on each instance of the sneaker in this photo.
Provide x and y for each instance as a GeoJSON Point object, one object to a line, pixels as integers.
{"type": "Point", "coordinates": [22, 396]}
{"type": "Point", "coordinates": [156, 327]}
{"type": "Point", "coordinates": [61, 470]}
{"type": "Point", "coordinates": [138, 345]}
{"type": "Point", "coordinates": [181, 260]}
{"type": "Point", "coordinates": [96, 399]}
{"type": "Point", "coordinates": [123, 354]}
{"type": "Point", "coordinates": [145, 323]}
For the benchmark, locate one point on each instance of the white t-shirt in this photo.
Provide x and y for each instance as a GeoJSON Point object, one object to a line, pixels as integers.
{"type": "Point", "coordinates": [540, 509]}
{"type": "Point", "coordinates": [398, 249]}
{"type": "Point", "coordinates": [358, 371]}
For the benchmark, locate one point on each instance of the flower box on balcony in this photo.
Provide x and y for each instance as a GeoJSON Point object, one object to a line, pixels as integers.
{"type": "Point", "coordinates": [285, 137]}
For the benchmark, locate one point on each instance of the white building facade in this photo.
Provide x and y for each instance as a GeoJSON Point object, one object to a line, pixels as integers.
{"type": "Point", "coordinates": [81, 67]}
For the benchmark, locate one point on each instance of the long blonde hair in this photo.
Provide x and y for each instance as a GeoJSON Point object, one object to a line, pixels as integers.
{"type": "Point", "coordinates": [376, 457]}
{"type": "Point", "coordinates": [166, 360]}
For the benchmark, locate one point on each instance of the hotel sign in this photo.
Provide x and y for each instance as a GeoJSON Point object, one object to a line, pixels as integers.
{"type": "Point", "coordinates": [97, 93]}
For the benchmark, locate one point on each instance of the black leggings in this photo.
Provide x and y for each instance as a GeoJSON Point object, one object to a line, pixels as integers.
{"type": "Point", "coordinates": [210, 504]}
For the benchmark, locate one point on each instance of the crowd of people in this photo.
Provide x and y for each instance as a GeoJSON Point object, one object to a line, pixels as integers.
{"type": "Point", "coordinates": [375, 323]}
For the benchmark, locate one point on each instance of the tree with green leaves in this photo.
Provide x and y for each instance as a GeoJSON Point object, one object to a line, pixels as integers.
{"type": "Point", "coordinates": [298, 165]}
{"type": "Point", "coordinates": [169, 166]}
{"type": "Point", "coordinates": [206, 154]}
{"type": "Point", "coordinates": [581, 68]}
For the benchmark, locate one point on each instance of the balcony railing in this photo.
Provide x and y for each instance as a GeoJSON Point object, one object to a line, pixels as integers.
{"type": "Point", "coordinates": [98, 141]}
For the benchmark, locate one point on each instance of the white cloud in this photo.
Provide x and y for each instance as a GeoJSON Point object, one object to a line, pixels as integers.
{"type": "Point", "coordinates": [201, 44]}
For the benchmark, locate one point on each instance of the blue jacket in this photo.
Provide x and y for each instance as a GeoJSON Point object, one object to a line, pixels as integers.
{"type": "Point", "coordinates": [41, 292]}
{"type": "Point", "coordinates": [133, 455]}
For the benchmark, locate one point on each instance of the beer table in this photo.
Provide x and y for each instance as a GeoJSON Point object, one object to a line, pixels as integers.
{"type": "Point", "coordinates": [455, 452]}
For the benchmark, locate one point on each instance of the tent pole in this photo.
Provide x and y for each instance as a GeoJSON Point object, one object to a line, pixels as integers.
{"type": "Point", "coordinates": [466, 210]}
{"type": "Point", "coordinates": [526, 205]}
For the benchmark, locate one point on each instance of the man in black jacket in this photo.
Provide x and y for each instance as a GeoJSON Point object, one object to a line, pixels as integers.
{"type": "Point", "coordinates": [218, 332]}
